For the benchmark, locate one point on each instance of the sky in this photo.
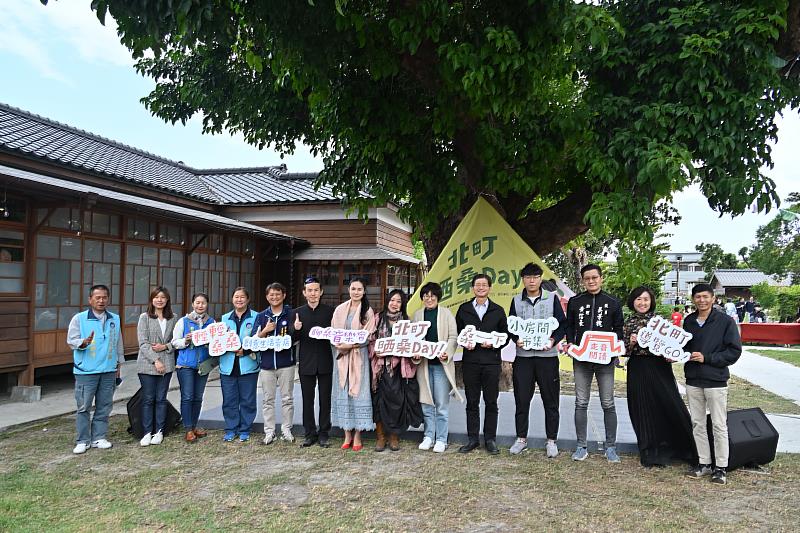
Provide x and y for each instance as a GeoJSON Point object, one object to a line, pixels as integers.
{"type": "Point", "coordinates": [59, 62]}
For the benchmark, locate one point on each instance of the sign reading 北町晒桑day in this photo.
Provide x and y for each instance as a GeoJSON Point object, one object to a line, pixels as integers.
{"type": "Point", "coordinates": [408, 340]}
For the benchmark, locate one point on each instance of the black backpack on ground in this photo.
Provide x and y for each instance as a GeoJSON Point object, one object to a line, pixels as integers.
{"type": "Point", "coordinates": [135, 416]}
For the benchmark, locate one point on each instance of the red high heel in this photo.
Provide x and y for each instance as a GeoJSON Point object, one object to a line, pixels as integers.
{"type": "Point", "coordinates": [358, 447]}
{"type": "Point", "coordinates": [346, 446]}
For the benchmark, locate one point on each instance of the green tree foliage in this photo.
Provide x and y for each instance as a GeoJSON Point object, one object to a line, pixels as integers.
{"type": "Point", "coordinates": [596, 110]}
{"type": "Point", "coordinates": [714, 257]}
{"type": "Point", "coordinates": [782, 303]}
{"type": "Point", "coordinates": [777, 248]}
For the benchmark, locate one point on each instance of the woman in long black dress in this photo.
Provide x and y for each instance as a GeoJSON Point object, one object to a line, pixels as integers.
{"type": "Point", "coordinates": [659, 416]}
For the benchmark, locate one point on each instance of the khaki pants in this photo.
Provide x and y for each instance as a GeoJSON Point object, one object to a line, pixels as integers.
{"type": "Point", "coordinates": [270, 380]}
{"type": "Point", "coordinates": [714, 401]}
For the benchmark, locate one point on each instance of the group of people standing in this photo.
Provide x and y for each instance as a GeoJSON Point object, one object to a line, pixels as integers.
{"type": "Point", "coordinates": [360, 390]}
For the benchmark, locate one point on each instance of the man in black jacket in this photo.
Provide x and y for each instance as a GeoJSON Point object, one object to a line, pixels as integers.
{"type": "Point", "coordinates": [316, 362]}
{"type": "Point", "coordinates": [594, 310]}
{"type": "Point", "coordinates": [481, 364]}
{"type": "Point", "coordinates": [715, 345]}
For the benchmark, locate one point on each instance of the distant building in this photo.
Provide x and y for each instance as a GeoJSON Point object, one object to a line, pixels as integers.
{"type": "Point", "coordinates": [685, 273]}
{"type": "Point", "coordinates": [737, 282]}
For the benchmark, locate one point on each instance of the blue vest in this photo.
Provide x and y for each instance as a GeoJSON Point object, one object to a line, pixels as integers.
{"type": "Point", "coordinates": [247, 365]}
{"type": "Point", "coordinates": [101, 355]}
{"type": "Point", "coordinates": [192, 355]}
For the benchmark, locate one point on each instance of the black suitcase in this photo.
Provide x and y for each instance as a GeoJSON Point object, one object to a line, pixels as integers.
{"type": "Point", "coordinates": [752, 439]}
{"type": "Point", "coordinates": [135, 416]}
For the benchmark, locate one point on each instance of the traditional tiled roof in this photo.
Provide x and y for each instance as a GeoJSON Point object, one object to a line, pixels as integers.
{"type": "Point", "coordinates": [744, 277]}
{"type": "Point", "coordinates": [264, 185]}
{"type": "Point", "coordinates": [41, 138]}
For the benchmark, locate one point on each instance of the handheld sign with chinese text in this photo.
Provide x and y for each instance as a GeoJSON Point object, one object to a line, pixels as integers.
{"type": "Point", "coordinates": [470, 336]}
{"type": "Point", "coordinates": [597, 347]}
{"type": "Point", "coordinates": [339, 335]}
{"type": "Point", "coordinates": [407, 340]}
{"type": "Point", "coordinates": [663, 338]}
{"type": "Point", "coordinates": [534, 333]}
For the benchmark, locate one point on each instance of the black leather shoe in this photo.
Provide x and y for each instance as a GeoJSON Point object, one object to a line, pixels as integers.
{"type": "Point", "coordinates": [468, 447]}
{"type": "Point", "coordinates": [324, 442]}
{"type": "Point", "coordinates": [491, 447]}
{"type": "Point", "coordinates": [309, 441]}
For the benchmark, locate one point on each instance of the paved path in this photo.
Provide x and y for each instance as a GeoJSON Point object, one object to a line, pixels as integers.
{"type": "Point", "coordinates": [775, 376]}
{"type": "Point", "coordinates": [58, 401]}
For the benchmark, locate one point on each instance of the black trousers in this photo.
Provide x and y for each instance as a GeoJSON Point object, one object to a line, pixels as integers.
{"type": "Point", "coordinates": [308, 385]}
{"type": "Point", "coordinates": [529, 372]}
{"type": "Point", "coordinates": [481, 378]}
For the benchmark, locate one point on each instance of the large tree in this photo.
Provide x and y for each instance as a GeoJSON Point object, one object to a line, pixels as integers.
{"type": "Point", "coordinates": [714, 257]}
{"type": "Point", "coordinates": [565, 115]}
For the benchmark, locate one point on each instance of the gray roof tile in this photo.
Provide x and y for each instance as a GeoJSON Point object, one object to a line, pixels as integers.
{"type": "Point", "coordinates": [39, 137]}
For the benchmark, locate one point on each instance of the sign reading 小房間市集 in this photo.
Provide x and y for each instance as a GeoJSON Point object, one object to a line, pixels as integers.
{"type": "Point", "coordinates": [534, 333]}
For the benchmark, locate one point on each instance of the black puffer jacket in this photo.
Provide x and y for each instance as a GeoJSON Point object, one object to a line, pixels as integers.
{"type": "Point", "coordinates": [719, 342]}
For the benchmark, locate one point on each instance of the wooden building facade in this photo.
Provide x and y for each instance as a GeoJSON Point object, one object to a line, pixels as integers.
{"type": "Point", "coordinates": [78, 210]}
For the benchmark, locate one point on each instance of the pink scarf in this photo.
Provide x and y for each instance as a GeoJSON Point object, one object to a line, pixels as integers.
{"type": "Point", "coordinates": [349, 362]}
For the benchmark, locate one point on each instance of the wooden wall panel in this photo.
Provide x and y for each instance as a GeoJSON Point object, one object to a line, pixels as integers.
{"type": "Point", "coordinates": [44, 343]}
{"type": "Point", "coordinates": [329, 232]}
{"type": "Point", "coordinates": [394, 238]}
{"type": "Point", "coordinates": [13, 359]}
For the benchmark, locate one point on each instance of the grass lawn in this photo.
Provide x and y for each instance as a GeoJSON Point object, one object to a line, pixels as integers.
{"type": "Point", "coordinates": [787, 356]}
{"type": "Point", "coordinates": [211, 486]}
{"type": "Point", "coordinates": [743, 394]}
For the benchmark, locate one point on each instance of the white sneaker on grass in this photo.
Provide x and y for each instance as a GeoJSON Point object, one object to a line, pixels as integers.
{"type": "Point", "coordinates": [519, 446]}
{"type": "Point", "coordinates": [80, 448]}
{"type": "Point", "coordinates": [269, 438]}
{"type": "Point", "coordinates": [440, 446]}
{"type": "Point", "coordinates": [101, 444]}
{"type": "Point", "coordinates": [286, 434]}
{"type": "Point", "coordinates": [426, 444]}
{"type": "Point", "coordinates": [580, 454]}
{"type": "Point", "coordinates": [158, 438]}
{"type": "Point", "coordinates": [146, 440]}
{"type": "Point", "coordinates": [551, 448]}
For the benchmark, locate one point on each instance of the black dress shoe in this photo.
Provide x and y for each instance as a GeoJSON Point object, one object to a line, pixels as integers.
{"type": "Point", "coordinates": [324, 442]}
{"type": "Point", "coordinates": [491, 447]}
{"type": "Point", "coordinates": [309, 441]}
{"type": "Point", "coordinates": [468, 447]}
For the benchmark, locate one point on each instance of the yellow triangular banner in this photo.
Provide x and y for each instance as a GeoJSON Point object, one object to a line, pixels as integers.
{"type": "Point", "coordinates": [484, 243]}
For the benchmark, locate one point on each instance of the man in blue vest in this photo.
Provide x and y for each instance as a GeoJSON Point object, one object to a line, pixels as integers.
{"type": "Point", "coordinates": [95, 337]}
{"type": "Point", "coordinates": [532, 367]}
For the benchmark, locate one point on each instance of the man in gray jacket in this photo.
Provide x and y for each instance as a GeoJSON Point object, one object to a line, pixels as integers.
{"type": "Point", "coordinates": [532, 367]}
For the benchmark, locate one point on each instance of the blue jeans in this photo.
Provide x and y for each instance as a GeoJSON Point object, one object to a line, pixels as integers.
{"type": "Point", "coordinates": [584, 371]}
{"type": "Point", "coordinates": [100, 388]}
{"type": "Point", "coordinates": [239, 405]}
{"type": "Point", "coordinates": [192, 387]}
{"type": "Point", "coordinates": [154, 394]}
{"type": "Point", "coordinates": [436, 415]}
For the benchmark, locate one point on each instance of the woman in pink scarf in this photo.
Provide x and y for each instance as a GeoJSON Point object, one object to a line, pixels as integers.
{"type": "Point", "coordinates": [351, 402]}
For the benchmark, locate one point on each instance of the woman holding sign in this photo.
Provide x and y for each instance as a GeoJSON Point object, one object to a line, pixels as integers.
{"type": "Point", "coordinates": [190, 356]}
{"type": "Point", "coordinates": [351, 404]}
{"type": "Point", "coordinates": [238, 372]}
{"type": "Point", "coordinates": [659, 416]}
{"type": "Point", "coordinates": [395, 401]}
{"type": "Point", "coordinates": [436, 377]}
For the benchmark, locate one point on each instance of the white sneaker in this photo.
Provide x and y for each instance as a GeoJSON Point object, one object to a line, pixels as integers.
{"type": "Point", "coordinates": [269, 438]}
{"type": "Point", "coordinates": [440, 446]}
{"type": "Point", "coordinates": [158, 438]}
{"type": "Point", "coordinates": [80, 448]}
{"type": "Point", "coordinates": [286, 434]}
{"type": "Point", "coordinates": [519, 446]}
{"type": "Point", "coordinates": [102, 444]}
{"type": "Point", "coordinates": [552, 449]}
{"type": "Point", "coordinates": [146, 440]}
{"type": "Point", "coordinates": [426, 444]}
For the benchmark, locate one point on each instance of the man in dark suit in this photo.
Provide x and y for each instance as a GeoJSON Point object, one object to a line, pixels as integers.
{"type": "Point", "coordinates": [316, 363]}
{"type": "Point", "coordinates": [481, 364]}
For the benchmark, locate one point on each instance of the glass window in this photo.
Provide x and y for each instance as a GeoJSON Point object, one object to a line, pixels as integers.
{"type": "Point", "coordinates": [58, 276]}
{"type": "Point", "coordinates": [12, 262]}
{"type": "Point", "coordinates": [44, 318]}
{"type": "Point", "coordinates": [92, 250]}
{"type": "Point", "coordinates": [14, 210]}
{"type": "Point", "coordinates": [65, 314]}
{"type": "Point", "coordinates": [47, 246]}
{"type": "Point", "coordinates": [141, 229]}
{"type": "Point", "coordinates": [112, 252]}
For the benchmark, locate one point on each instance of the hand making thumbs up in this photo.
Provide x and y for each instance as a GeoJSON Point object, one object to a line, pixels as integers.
{"type": "Point", "coordinates": [297, 324]}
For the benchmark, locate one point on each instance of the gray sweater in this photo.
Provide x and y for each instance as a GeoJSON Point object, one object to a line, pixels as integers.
{"type": "Point", "coordinates": [149, 332]}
